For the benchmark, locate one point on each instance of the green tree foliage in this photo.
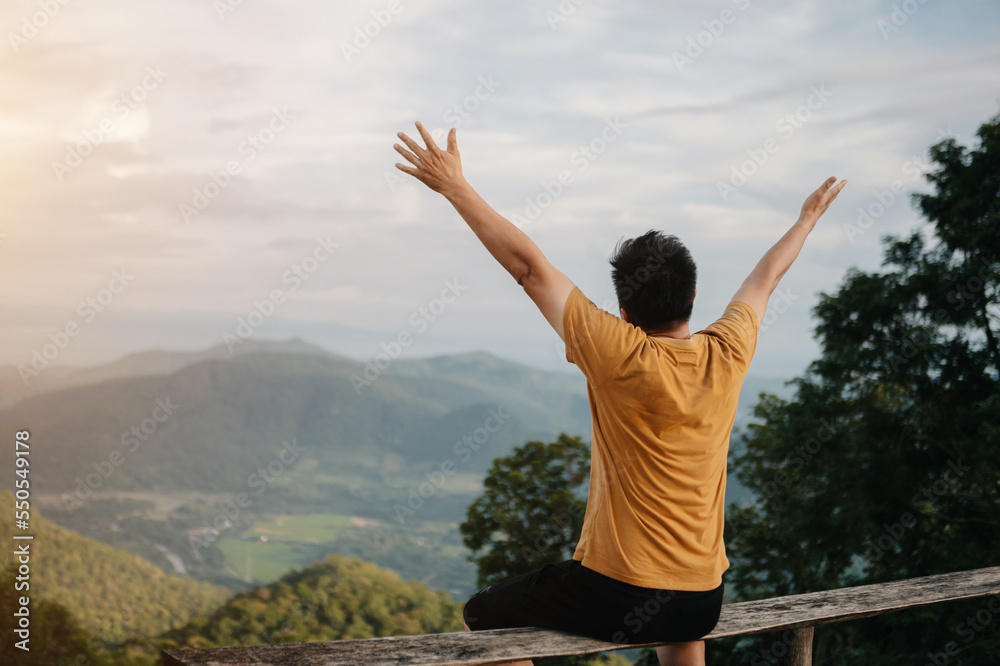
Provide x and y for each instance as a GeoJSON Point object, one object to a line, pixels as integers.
{"type": "Point", "coordinates": [55, 639]}
{"type": "Point", "coordinates": [529, 514]}
{"type": "Point", "coordinates": [339, 598]}
{"type": "Point", "coordinates": [885, 463]}
{"type": "Point", "coordinates": [113, 594]}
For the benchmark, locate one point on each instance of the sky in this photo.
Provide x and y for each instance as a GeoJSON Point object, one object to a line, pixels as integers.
{"type": "Point", "coordinates": [184, 174]}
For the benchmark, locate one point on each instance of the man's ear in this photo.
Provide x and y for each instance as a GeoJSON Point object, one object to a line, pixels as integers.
{"type": "Point", "coordinates": [695, 294]}
{"type": "Point", "coordinates": [624, 314]}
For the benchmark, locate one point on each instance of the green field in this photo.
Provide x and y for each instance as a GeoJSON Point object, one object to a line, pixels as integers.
{"type": "Point", "coordinates": [279, 543]}
{"type": "Point", "coordinates": [314, 528]}
{"type": "Point", "coordinates": [267, 562]}
{"type": "Point", "coordinates": [431, 552]}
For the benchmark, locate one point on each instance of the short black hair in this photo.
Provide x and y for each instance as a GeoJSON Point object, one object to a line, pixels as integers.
{"type": "Point", "coordinates": [654, 278]}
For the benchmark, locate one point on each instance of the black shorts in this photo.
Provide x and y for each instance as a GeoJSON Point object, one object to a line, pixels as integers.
{"type": "Point", "coordinates": [570, 597]}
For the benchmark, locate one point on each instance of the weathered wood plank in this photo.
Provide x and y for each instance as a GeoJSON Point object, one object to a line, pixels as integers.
{"type": "Point", "coordinates": [504, 645]}
{"type": "Point", "coordinates": [851, 603]}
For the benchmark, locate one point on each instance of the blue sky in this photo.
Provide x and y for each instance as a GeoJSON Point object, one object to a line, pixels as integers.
{"type": "Point", "coordinates": [174, 168]}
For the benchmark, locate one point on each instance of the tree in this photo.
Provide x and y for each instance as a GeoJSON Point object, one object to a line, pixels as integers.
{"type": "Point", "coordinates": [885, 465]}
{"type": "Point", "coordinates": [55, 636]}
{"type": "Point", "coordinates": [530, 514]}
{"type": "Point", "coordinates": [339, 598]}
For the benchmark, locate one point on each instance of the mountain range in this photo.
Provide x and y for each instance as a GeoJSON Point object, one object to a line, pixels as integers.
{"type": "Point", "coordinates": [168, 454]}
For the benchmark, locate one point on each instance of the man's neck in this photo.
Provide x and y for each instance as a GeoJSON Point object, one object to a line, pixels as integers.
{"type": "Point", "coordinates": [679, 333]}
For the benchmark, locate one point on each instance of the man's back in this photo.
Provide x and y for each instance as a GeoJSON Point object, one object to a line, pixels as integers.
{"type": "Point", "coordinates": [659, 446]}
{"type": "Point", "coordinates": [662, 412]}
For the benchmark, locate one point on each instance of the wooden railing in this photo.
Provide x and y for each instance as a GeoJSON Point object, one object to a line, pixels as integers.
{"type": "Point", "coordinates": [798, 613]}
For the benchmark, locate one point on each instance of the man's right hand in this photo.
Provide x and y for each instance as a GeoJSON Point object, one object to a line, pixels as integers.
{"type": "Point", "coordinates": [817, 202]}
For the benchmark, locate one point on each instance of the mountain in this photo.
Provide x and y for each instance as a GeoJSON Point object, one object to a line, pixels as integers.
{"type": "Point", "coordinates": [218, 426]}
{"type": "Point", "coordinates": [485, 371]}
{"type": "Point", "coordinates": [113, 594]}
{"type": "Point", "coordinates": [186, 458]}
{"type": "Point", "coordinates": [13, 387]}
{"type": "Point", "coordinates": [212, 422]}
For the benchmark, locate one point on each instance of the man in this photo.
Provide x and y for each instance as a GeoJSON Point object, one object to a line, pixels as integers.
{"type": "Point", "coordinates": [649, 563]}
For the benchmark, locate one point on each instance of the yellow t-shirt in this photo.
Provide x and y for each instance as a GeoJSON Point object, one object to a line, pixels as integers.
{"type": "Point", "coordinates": [662, 412]}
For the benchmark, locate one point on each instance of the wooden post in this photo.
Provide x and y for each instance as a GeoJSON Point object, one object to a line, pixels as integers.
{"type": "Point", "coordinates": [800, 652]}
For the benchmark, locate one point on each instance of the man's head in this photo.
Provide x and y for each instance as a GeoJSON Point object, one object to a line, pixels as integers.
{"type": "Point", "coordinates": [654, 278]}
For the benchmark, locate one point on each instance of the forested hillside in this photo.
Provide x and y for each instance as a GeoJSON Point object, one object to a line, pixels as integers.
{"type": "Point", "coordinates": [113, 594]}
{"type": "Point", "coordinates": [211, 425]}
{"type": "Point", "coordinates": [338, 598]}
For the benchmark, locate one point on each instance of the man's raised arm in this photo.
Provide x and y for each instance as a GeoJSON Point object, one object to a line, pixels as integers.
{"type": "Point", "coordinates": [441, 171]}
{"type": "Point", "coordinates": [761, 282]}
